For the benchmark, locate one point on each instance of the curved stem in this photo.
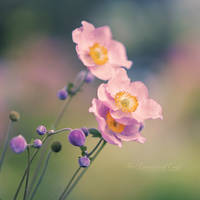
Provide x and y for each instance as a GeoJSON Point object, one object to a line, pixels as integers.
{"type": "Point", "coordinates": [83, 172]}
{"type": "Point", "coordinates": [95, 148]}
{"type": "Point", "coordinates": [41, 176]}
{"type": "Point", "coordinates": [61, 113]}
{"type": "Point", "coordinates": [6, 144]}
{"type": "Point", "coordinates": [28, 171]}
{"type": "Point", "coordinates": [38, 167]}
{"type": "Point", "coordinates": [54, 126]}
{"type": "Point", "coordinates": [70, 182]}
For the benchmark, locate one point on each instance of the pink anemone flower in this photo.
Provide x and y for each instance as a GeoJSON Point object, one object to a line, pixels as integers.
{"type": "Point", "coordinates": [128, 99]}
{"type": "Point", "coordinates": [98, 51]}
{"type": "Point", "coordinates": [111, 130]}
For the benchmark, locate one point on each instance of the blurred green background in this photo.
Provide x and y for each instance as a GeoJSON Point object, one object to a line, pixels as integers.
{"type": "Point", "coordinates": [37, 57]}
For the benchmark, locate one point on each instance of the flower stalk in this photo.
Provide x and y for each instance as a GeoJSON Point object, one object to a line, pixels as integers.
{"type": "Point", "coordinates": [41, 176]}
{"type": "Point", "coordinates": [6, 144]}
{"type": "Point", "coordinates": [70, 186]}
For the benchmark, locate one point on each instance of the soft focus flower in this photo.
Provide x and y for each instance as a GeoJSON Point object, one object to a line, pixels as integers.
{"type": "Point", "coordinates": [37, 143]}
{"type": "Point", "coordinates": [41, 130]}
{"type": "Point", "coordinates": [128, 99]}
{"type": "Point", "coordinates": [98, 51]}
{"type": "Point", "coordinates": [62, 94]}
{"type": "Point", "coordinates": [112, 131]}
{"type": "Point", "coordinates": [84, 161]}
{"type": "Point", "coordinates": [77, 137]}
{"type": "Point", "coordinates": [18, 144]}
{"type": "Point", "coordinates": [89, 77]}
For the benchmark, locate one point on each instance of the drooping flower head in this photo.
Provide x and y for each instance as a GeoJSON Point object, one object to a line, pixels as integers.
{"type": "Point", "coordinates": [113, 131]}
{"type": "Point", "coordinates": [98, 51]}
{"type": "Point", "coordinates": [18, 144]}
{"type": "Point", "coordinates": [128, 99]}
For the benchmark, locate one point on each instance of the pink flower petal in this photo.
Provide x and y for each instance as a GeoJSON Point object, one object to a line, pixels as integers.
{"type": "Point", "coordinates": [103, 72]}
{"type": "Point", "coordinates": [102, 35]}
{"type": "Point", "coordinates": [110, 138]}
{"type": "Point", "coordinates": [119, 82]}
{"type": "Point", "coordinates": [117, 54]}
{"type": "Point", "coordinates": [149, 109]}
{"type": "Point", "coordinates": [77, 34]}
{"type": "Point", "coordinates": [84, 57]}
{"type": "Point", "coordinates": [105, 97]}
{"type": "Point", "coordinates": [139, 90]}
{"type": "Point", "coordinates": [100, 112]}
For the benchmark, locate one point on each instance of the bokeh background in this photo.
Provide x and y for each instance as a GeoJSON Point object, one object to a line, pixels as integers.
{"type": "Point", "coordinates": [37, 57]}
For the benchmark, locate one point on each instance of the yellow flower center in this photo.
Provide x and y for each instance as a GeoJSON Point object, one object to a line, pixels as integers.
{"type": "Point", "coordinates": [113, 125]}
{"type": "Point", "coordinates": [126, 102]}
{"type": "Point", "coordinates": [99, 54]}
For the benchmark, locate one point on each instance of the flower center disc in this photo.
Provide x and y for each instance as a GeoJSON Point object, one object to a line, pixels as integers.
{"type": "Point", "coordinates": [126, 102]}
{"type": "Point", "coordinates": [99, 54]}
{"type": "Point", "coordinates": [113, 125]}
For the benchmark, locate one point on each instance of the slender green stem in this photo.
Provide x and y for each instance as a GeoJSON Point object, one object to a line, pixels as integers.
{"type": "Point", "coordinates": [67, 192]}
{"type": "Point", "coordinates": [42, 155]}
{"type": "Point", "coordinates": [41, 176]}
{"type": "Point", "coordinates": [60, 131]}
{"type": "Point", "coordinates": [6, 143]}
{"type": "Point", "coordinates": [70, 182]}
{"type": "Point", "coordinates": [54, 126]}
{"type": "Point", "coordinates": [95, 148]}
{"type": "Point", "coordinates": [28, 172]}
{"type": "Point", "coordinates": [61, 113]}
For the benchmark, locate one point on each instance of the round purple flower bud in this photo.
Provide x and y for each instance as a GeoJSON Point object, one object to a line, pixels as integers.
{"type": "Point", "coordinates": [89, 77]}
{"type": "Point", "coordinates": [41, 130]}
{"type": "Point", "coordinates": [85, 131]}
{"type": "Point", "coordinates": [37, 143]}
{"type": "Point", "coordinates": [62, 94]}
{"type": "Point", "coordinates": [77, 137]}
{"type": "Point", "coordinates": [18, 144]}
{"type": "Point", "coordinates": [84, 161]}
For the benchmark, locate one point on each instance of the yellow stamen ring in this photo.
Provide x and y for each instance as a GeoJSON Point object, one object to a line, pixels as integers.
{"type": "Point", "coordinates": [114, 125]}
{"type": "Point", "coordinates": [99, 54]}
{"type": "Point", "coordinates": [126, 102]}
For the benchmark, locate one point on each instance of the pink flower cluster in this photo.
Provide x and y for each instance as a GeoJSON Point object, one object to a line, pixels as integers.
{"type": "Point", "coordinates": [122, 105]}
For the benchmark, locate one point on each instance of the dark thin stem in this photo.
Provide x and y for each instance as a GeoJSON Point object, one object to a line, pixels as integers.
{"type": "Point", "coordinates": [54, 126]}
{"type": "Point", "coordinates": [61, 113]}
{"type": "Point", "coordinates": [28, 172]}
{"type": "Point", "coordinates": [70, 182]}
{"type": "Point", "coordinates": [36, 171]}
{"type": "Point", "coordinates": [6, 143]}
{"type": "Point", "coordinates": [83, 172]}
{"type": "Point", "coordinates": [60, 131]}
{"type": "Point", "coordinates": [41, 176]}
{"type": "Point", "coordinates": [95, 148]}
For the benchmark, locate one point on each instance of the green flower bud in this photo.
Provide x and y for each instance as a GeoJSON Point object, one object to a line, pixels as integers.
{"type": "Point", "coordinates": [14, 116]}
{"type": "Point", "coordinates": [56, 147]}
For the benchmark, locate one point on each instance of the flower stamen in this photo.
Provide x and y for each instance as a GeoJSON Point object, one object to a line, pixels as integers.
{"type": "Point", "coordinates": [126, 102]}
{"type": "Point", "coordinates": [99, 54]}
{"type": "Point", "coordinates": [114, 125]}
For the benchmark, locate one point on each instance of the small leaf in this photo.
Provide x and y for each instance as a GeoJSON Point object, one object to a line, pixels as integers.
{"type": "Point", "coordinates": [83, 148]}
{"type": "Point", "coordinates": [94, 132]}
